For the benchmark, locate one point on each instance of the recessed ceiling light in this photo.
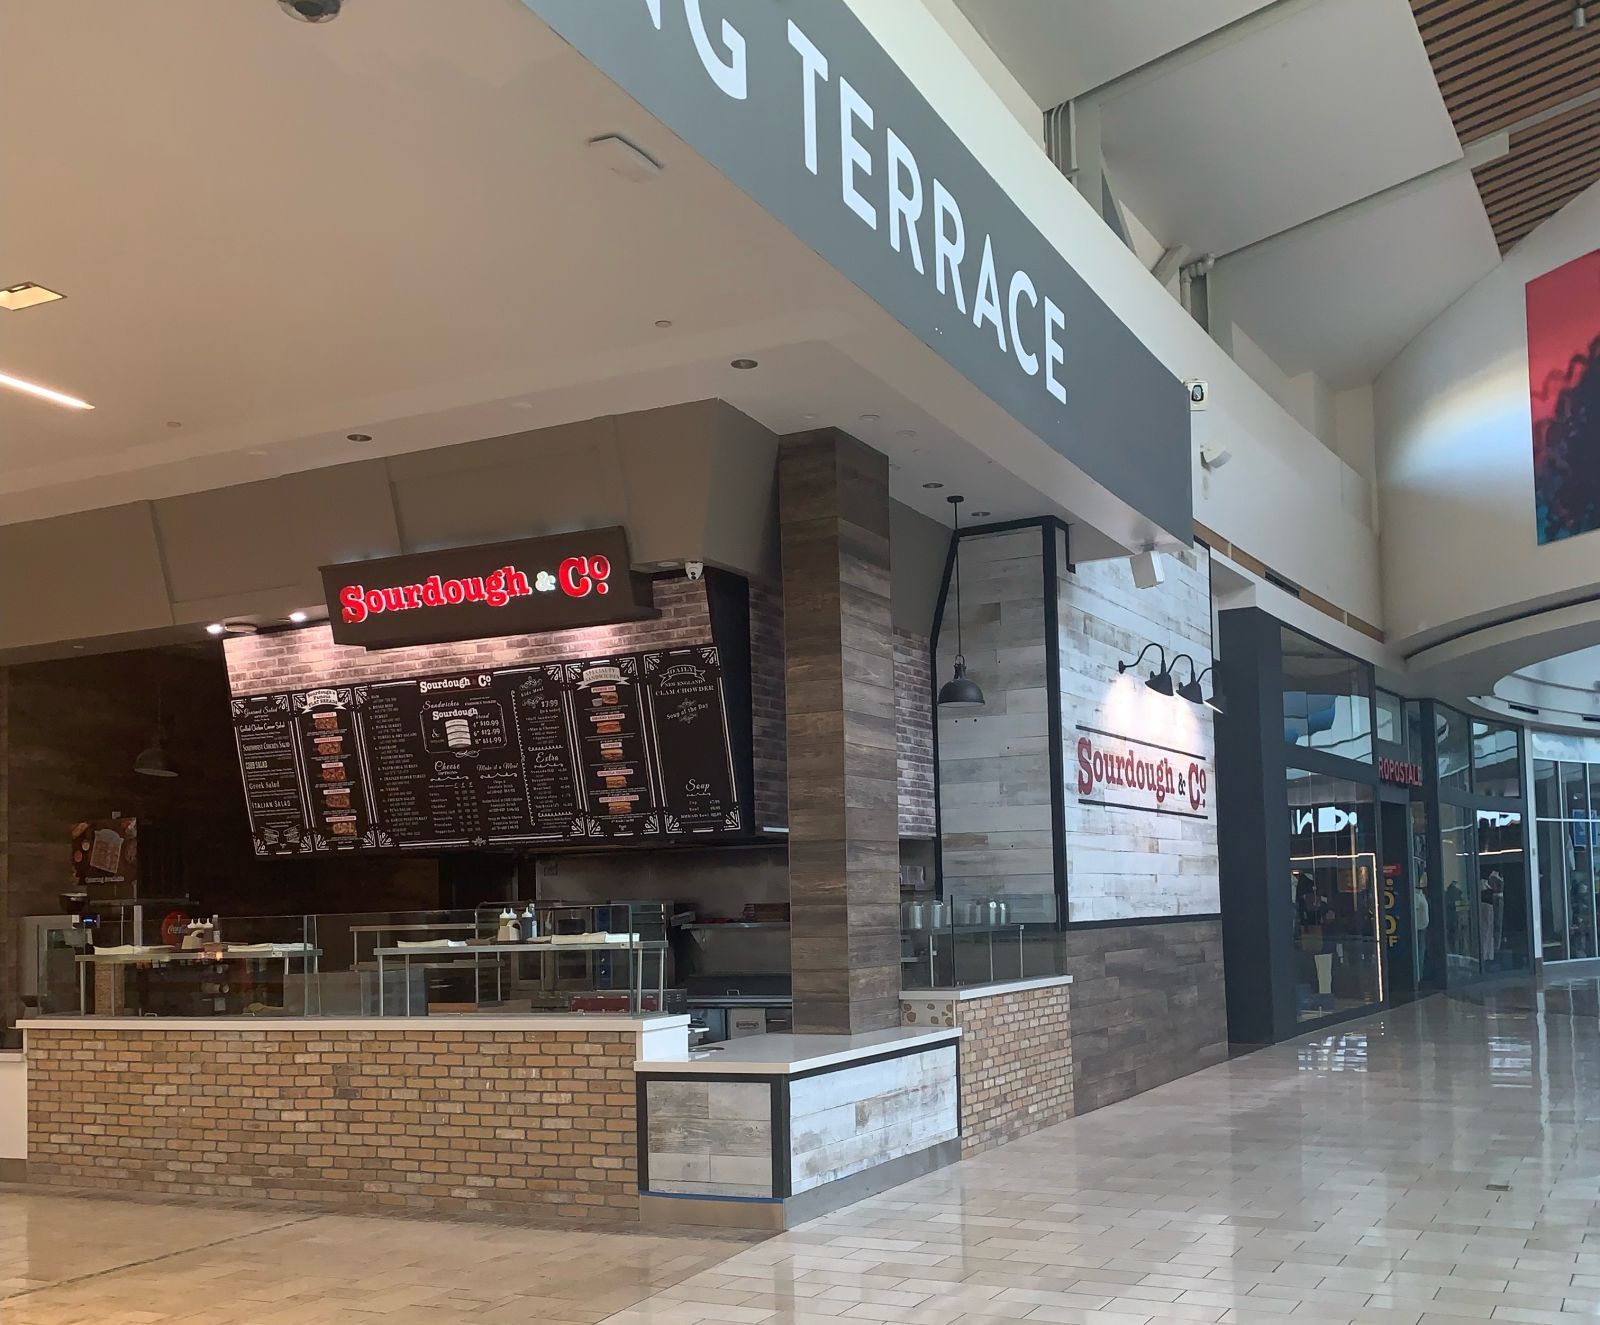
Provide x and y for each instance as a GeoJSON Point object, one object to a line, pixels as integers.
{"type": "Point", "coordinates": [980, 515]}
{"type": "Point", "coordinates": [174, 423]}
{"type": "Point", "coordinates": [870, 418]}
{"type": "Point", "coordinates": [43, 392]}
{"type": "Point", "coordinates": [216, 628]}
{"type": "Point", "coordinates": [358, 437]}
{"type": "Point", "coordinates": [663, 322]}
{"type": "Point", "coordinates": [25, 294]}
{"type": "Point", "coordinates": [742, 363]}
{"type": "Point", "coordinates": [810, 416]}
{"type": "Point", "coordinates": [299, 618]}
{"type": "Point", "coordinates": [933, 485]}
{"type": "Point", "coordinates": [905, 432]}
{"type": "Point", "coordinates": [79, 647]}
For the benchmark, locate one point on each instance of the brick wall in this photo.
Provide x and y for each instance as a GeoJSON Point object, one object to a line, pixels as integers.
{"type": "Point", "coordinates": [767, 717]}
{"type": "Point", "coordinates": [1147, 1006]}
{"type": "Point", "coordinates": [1016, 1059]}
{"type": "Point", "coordinates": [449, 1120]}
{"type": "Point", "coordinates": [913, 732]}
{"type": "Point", "coordinates": [299, 659]}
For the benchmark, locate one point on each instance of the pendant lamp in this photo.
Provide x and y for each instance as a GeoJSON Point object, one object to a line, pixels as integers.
{"type": "Point", "coordinates": [152, 761]}
{"type": "Point", "coordinates": [960, 691]}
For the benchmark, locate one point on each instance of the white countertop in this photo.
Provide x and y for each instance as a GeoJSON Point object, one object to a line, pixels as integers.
{"type": "Point", "coordinates": [483, 1021]}
{"type": "Point", "coordinates": [782, 1055]}
{"type": "Point", "coordinates": [964, 992]}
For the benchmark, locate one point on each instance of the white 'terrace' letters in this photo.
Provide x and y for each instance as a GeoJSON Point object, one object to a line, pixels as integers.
{"type": "Point", "coordinates": [1054, 351]}
{"type": "Point", "coordinates": [733, 76]}
{"type": "Point", "coordinates": [1022, 284]}
{"type": "Point", "coordinates": [813, 68]}
{"type": "Point", "coordinates": [949, 248]}
{"type": "Point", "coordinates": [905, 205]}
{"type": "Point", "coordinates": [986, 298]}
{"type": "Point", "coordinates": [852, 155]}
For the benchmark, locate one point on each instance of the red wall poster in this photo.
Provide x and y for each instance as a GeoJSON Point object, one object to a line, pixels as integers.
{"type": "Point", "coordinates": [1564, 390]}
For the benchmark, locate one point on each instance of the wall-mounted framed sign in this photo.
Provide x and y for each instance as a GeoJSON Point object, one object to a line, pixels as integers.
{"type": "Point", "coordinates": [522, 587]}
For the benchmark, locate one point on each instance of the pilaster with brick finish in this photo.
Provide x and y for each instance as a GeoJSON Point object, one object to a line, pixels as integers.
{"type": "Point", "coordinates": [833, 510]}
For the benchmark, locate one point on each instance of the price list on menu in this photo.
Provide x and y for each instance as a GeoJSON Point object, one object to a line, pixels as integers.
{"type": "Point", "coordinates": [274, 794]}
{"type": "Point", "coordinates": [539, 701]}
{"type": "Point", "coordinates": [612, 758]}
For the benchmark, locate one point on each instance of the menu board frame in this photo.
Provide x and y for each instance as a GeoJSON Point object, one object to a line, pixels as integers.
{"type": "Point", "coordinates": [352, 771]}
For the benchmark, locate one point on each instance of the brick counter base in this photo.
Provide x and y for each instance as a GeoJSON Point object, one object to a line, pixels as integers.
{"type": "Point", "coordinates": [1015, 1060]}
{"type": "Point", "coordinates": [455, 1121]}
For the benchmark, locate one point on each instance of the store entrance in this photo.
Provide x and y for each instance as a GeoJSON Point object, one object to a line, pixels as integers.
{"type": "Point", "coordinates": [1405, 904]}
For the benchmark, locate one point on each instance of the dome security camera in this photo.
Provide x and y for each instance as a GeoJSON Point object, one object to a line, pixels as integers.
{"type": "Point", "coordinates": [311, 11]}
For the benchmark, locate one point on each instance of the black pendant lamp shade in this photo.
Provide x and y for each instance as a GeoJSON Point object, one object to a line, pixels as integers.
{"type": "Point", "coordinates": [960, 691]}
{"type": "Point", "coordinates": [152, 761]}
{"type": "Point", "coordinates": [1190, 689]}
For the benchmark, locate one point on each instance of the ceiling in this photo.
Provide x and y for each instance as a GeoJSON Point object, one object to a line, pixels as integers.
{"type": "Point", "coordinates": [1315, 147]}
{"type": "Point", "coordinates": [392, 225]}
{"type": "Point", "coordinates": [1520, 65]}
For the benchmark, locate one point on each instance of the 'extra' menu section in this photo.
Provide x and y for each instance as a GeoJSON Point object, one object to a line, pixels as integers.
{"type": "Point", "coordinates": [604, 750]}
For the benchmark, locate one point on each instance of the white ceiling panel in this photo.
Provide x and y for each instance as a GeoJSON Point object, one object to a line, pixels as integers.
{"type": "Point", "coordinates": [1059, 49]}
{"type": "Point", "coordinates": [1300, 114]}
{"type": "Point", "coordinates": [1343, 298]}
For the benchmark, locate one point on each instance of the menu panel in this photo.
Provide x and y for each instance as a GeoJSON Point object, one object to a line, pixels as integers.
{"type": "Point", "coordinates": [612, 759]}
{"type": "Point", "coordinates": [689, 731]}
{"type": "Point", "coordinates": [339, 815]}
{"type": "Point", "coordinates": [264, 731]}
{"type": "Point", "coordinates": [632, 747]}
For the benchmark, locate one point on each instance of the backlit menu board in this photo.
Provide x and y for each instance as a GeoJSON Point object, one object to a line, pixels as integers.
{"type": "Point", "coordinates": [601, 751]}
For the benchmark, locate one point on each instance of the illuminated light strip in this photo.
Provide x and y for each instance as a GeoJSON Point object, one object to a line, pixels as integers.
{"type": "Point", "coordinates": [43, 392]}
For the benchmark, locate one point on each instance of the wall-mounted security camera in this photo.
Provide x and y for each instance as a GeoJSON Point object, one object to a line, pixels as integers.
{"type": "Point", "coordinates": [1147, 569]}
{"type": "Point", "coordinates": [1213, 456]}
{"type": "Point", "coordinates": [312, 11]}
{"type": "Point", "coordinates": [1199, 393]}
{"type": "Point", "coordinates": [695, 570]}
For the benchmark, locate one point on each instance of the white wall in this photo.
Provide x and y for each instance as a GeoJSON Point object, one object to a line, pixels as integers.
{"type": "Point", "coordinates": [1273, 500]}
{"type": "Point", "coordinates": [1454, 449]}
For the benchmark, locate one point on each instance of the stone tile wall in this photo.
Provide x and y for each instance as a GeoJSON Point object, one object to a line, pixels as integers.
{"type": "Point", "coordinates": [1147, 1006]}
{"type": "Point", "coordinates": [1016, 1059]}
{"type": "Point", "coordinates": [448, 1120]}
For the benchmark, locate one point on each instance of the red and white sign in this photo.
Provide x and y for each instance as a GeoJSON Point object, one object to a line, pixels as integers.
{"type": "Point", "coordinates": [537, 584]}
{"type": "Point", "coordinates": [1399, 772]}
{"type": "Point", "coordinates": [1124, 773]}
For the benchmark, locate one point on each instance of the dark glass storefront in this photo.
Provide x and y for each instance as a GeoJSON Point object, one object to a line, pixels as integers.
{"type": "Point", "coordinates": [1391, 863]}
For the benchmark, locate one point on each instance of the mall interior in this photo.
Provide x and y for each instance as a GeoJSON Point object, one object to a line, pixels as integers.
{"type": "Point", "coordinates": [675, 661]}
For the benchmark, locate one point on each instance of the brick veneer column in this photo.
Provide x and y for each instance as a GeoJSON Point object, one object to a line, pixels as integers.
{"type": "Point", "coordinates": [833, 507]}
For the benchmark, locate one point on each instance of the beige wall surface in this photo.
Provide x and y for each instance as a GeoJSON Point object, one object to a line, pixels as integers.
{"type": "Point", "coordinates": [690, 482]}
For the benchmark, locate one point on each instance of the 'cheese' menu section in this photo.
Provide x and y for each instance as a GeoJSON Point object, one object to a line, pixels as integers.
{"type": "Point", "coordinates": [604, 750]}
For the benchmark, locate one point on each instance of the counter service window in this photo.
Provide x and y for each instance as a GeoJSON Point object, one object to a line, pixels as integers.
{"type": "Point", "coordinates": [1327, 699]}
{"type": "Point", "coordinates": [1338, 909]}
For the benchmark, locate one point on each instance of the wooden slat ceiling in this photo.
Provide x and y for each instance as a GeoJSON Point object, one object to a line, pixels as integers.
{"type": "Point", "coordinates": [1502, 63]}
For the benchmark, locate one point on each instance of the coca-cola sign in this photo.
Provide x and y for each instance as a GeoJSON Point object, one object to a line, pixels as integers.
{"type": "Point", "coordinates": [519, 588]}
{"type": "Point", "coordinates": [1125, 773]}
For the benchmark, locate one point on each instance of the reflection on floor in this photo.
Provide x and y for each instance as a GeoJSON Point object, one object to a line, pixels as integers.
{"type": "Point", "coordinates": [1436, 1164]}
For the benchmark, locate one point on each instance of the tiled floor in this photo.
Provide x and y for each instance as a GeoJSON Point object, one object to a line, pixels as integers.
{"type": "Point", "coordinates": [1354, 1176]}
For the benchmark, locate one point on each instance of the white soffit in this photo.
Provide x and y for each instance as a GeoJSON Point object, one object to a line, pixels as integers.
{"type": "Point", "coordinates": [1058, 49]}
{"type": "Point", "coordinates": [1343, 298]}
{"type": "Point", "coordinates": [1299, 115]}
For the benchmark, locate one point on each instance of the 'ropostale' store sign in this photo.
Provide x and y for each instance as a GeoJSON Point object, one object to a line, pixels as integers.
{"type": "Point", "coordinates": [523, 587]}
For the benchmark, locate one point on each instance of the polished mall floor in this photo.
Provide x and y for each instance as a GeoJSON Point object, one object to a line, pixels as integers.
{"type": "Point", "coordinates": [1439, 1163]}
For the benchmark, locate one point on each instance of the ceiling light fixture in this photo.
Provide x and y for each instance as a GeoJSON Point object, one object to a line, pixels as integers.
{"type": "Point", "coordinates": [905, 432]}
{"type": "Point", "coordinates": [933, 485]}
{"type": "Point", "coordinates": [299, 618]}
{"type": "Point", "coordinates": [980, 515]}
{"type": "Point", "coordinates": [960, 691]}
{"type": "Point", "coordinates": [744, 365]}
{"type": "Point", "coordinates": [25, 294]}
{"type": "Point", "coordinates": [663, 322]}
{"type": "Point", "coordinates": [152, 761]}
{"type": "Point", "coordinates": [216, 628]}
{"type": "Point", "coordinates": [43, 392]}
{"type": "Point", "coordinates": [358, 437]}
{"type": "Point", "coordinates": [870, 418]}
{"type": "Point", "coordinates": [312, 11]}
